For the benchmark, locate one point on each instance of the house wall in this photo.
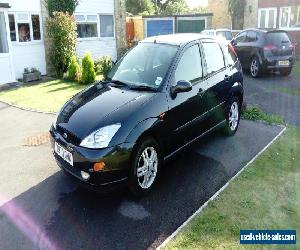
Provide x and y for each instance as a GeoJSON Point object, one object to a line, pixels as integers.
{"type": "Point", "coordinates": [251, 14]}
{"type": "Point", "coordinates": [97, 46]}
{"type": "Point", "coordinates": [29, 54]}
{"type": "Point", "coordinates": [277, 3]}
{"type": "Point", "coordinates": [221, 17]}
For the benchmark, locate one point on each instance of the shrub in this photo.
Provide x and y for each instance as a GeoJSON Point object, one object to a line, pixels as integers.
{"type": "Point", "coordinates": [62, 6]}
{"type": "Point", "coordinates": [61, 30]}
{"type": "Point", "coordinates": [74, 70]}
{"type": "Point", "coordinates": [103, 65]}
{"type": "Point", "coordinates": [88, 69]}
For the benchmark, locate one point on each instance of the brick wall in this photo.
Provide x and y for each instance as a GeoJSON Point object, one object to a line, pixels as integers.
{"type": "Point", "coordinates": [221, 17]}
{"type": "Point", "coordinates": [277, 3]}
{"type": "Point", "coordinates": [251, 14]}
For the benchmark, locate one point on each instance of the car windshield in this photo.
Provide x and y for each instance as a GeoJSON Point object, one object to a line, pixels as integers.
{"type": "Point", "coordinates": [278, 38]}
{"type": "Point", "coordinates": [145, 65]}
{"type": "Point", "coordinates": [225, 34]}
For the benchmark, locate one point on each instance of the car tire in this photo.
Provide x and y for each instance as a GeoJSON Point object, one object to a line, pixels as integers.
{"type": "Point", "coordinates": [285, 72]}
{"type": "Point", "coordinates": [144, 174]}
{"type": "Point", "coordinates": [255, 67]}
{"type": "Point", "coordinates": [233, 114]}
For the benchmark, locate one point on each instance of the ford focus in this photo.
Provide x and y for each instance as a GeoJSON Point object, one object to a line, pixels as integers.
{"type": "Point", "coordinates": [164, 94]}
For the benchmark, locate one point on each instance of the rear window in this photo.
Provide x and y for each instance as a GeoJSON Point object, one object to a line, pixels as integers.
{"type": "Point", "coordinates": [277, 38]}
{"type": "Point", "coordinates": [225, 34]}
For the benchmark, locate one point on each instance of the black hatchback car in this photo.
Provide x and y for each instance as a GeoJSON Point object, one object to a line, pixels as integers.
{"type": "Point", "coordinates": [263, 51]}
{"type": "Point", "coordinates": [160, 97]}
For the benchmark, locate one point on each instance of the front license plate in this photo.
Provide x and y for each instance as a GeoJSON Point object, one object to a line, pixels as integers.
{"type": "Point", "coordinates": [284, 63]}
{"type": "Point", "coordinates": [64, 154]}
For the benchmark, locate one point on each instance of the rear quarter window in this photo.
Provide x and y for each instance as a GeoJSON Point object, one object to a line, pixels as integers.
{"type": "Point", "coordinates": [277, 38]}
{"type": "Point", "coordinates": [213, 56]}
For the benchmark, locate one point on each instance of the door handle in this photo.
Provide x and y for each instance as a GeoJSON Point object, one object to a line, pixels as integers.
{"type": "Point", "coordinates": [227, 78]}
{"type": "Point", "coordinates": [201, 92]}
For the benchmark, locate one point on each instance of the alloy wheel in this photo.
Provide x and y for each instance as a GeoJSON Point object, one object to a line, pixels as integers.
{"type": "Point", "coordinates": [234, 116]}
{"type": "Point", "coordinates": [147, 167]}
{"type": "Point", "coordinates": [254, 67]}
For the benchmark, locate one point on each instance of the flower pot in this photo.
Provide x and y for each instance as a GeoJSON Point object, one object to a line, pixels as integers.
{"type": "Point", "coordinates": [30, 77]}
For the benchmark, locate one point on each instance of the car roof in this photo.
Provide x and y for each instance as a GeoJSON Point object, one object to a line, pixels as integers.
{"type": "Point", "coordinates": [176, 39]}
{"type": "Point", "coordinates": [217, 30]}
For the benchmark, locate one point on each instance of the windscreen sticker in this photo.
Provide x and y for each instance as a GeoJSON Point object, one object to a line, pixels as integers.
{"type": "Point", "coordinates": [158, 80]}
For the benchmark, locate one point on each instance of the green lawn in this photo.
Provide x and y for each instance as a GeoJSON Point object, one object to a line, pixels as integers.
{"type": "Point", "coordinates": [265, 196]}
{"type": "Point", "coordinates": [48, 96]}
{"type": "Point", "coordinates": [296, 69]}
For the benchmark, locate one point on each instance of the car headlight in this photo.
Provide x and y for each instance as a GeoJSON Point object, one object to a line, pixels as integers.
{"type": "Point", "coordinates": [101, 137]}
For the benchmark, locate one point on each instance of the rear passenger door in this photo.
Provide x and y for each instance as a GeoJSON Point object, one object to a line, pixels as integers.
{"type": "Point", "coordinates": [250, 46]}
{"type": "Point", "coordinates": [217, 77]}
{"type": "Point", "coordinates": [239, 46]}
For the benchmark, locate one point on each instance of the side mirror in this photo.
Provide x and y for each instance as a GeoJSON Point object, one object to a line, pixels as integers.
{"type": "Point", "coordinates": [181, 86]}
{"type": "Point", "coordinates": [233, 42]}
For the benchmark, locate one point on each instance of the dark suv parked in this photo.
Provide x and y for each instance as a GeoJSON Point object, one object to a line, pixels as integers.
{"type": "Point", "coordinates": [161, 96]}
{"type": "Point", "coordinates": [262, 51]}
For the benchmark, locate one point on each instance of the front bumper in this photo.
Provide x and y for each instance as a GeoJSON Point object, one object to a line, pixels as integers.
{"type": "Point", "coordinates": [117, 163]}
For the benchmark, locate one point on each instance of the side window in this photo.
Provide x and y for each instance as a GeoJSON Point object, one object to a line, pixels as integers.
{"type": "Point", "coordinates": [251, 36]}
{"type": "Point", "coordinates": [189, 67]}
{"type": "Point", "coordinates": [213, 56]}
{"type": "Point", "coordinates": [241, 37]}
{"type": "Point", "coordinates": [229, 53]}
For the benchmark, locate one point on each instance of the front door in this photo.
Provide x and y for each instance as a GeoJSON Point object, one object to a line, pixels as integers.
{"type": "Point", "coordinates": [6, 70]}
{"type": "Point", "coordinates": [186, 109]}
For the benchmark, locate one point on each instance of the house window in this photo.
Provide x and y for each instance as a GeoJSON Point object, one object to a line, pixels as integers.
{"type": "Point", "coordinates": [107, 28]}
{"type": "Point", "coordinates": [290, 17]}
{"type": "Point", "coordinates": [87, 26]}
{"type": "Point", "coordinates": [12, 27]}
{"type": "Point", "coordinates": [36, 27]}
{"type": "Point", "coordinates": [3, 35]}
{"type": "Point", "coordinates": [24, 27]}
{"type": "Point", "coordinates": [267, 18]}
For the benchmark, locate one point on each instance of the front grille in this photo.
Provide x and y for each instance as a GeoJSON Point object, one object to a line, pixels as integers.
{"type": "Point", "coordinates": [71, 138]}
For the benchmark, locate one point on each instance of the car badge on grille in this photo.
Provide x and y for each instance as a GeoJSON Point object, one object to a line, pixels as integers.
{"type": "Point", "coordinates": [283, 47]}
{"type": "Point", "coordinates": [65, 135]}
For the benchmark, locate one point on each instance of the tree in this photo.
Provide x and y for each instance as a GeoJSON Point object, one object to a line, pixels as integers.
{"type": "Point", "coordinates": [61, 29]}
{"type": "Point", "coordinates": [138, 7]}
{"type": "Point", "coordinates": [62, 6]}
{"type": "Point", "coordinates": [174, 7]}
{"type": "Point", "coordinates": [236, 11]}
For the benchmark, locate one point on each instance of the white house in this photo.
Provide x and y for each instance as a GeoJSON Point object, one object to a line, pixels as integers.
{"type": "Point", "coordinates": [22, 34]}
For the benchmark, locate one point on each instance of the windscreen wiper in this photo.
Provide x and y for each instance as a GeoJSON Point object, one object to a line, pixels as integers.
{"type": "Point", "coordinates": [142, 87]}
{"type": "Point", "coordinates": [117, 82]}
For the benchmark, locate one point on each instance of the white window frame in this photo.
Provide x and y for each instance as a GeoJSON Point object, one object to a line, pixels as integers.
{"type": "Point", "coordinates": [29, 21]}
{"type": "Point", "coordinates": [267, 18]}
{"type": "Point", "coordinates": [113, 16]}
{"type": "Point", "coordinates": [88, 22]}
{"type": "Point", "coordinates": [289, 17]}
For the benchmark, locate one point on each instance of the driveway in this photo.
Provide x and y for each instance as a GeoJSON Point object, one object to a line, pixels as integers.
{"type": "Point", "coordinates": [275, 94]}
{"type": "Point", "coordinates": [43, 208]}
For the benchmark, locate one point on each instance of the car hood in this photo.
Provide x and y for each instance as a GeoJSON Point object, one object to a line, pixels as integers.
{"type": "Point", "coordinates": [98, 106]}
